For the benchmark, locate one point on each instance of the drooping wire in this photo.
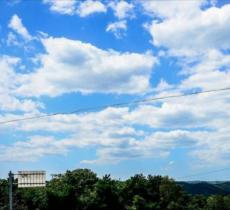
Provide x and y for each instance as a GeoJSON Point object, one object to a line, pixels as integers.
{"type": "Point", "coordinates": [93, 108]}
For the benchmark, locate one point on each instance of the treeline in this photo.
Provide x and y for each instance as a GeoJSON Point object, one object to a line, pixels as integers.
{"type": "Point", "coordinates": [81, 189]}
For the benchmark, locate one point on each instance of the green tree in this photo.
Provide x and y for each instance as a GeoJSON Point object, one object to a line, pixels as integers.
{"type": "Point", "coordinates": [172, 197]}
{"type": "Point", "coordinates": [3, 194]}
{"type": "Point", "coordinates": [70, 191]}
{"type": "Point", "coordinates": [215, 202]}
{"type": "Point", "coordinates": [197, 202]}
{"type": "Point", "coordinates": [81, 189]}
{"type": "Point", "coordinates": [108, 194]}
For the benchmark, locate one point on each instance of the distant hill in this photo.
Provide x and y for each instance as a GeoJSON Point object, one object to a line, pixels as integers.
{"type": "Point", "coordinates": [206, 188]}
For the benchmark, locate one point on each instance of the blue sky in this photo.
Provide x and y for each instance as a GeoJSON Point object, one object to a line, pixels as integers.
{"type": "Point", "coordinates": [62, 55]}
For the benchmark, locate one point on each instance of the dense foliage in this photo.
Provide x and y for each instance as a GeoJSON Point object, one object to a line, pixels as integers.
{"type": "Point", "coordinates": [82, 190]}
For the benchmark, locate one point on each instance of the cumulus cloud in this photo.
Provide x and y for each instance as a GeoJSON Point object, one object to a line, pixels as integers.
{"type": "Point", "coordinates": [190, 34]}
{"type": "Point", "coordinates": [73, 7]}
{"type": "Point", "coordinates": [122, 9]}
{"type": "Point", "coordinates": [92, 131]}
{"type": "Point", "coordinates": [9, 100]}
{"type": "Point", "coordinates": [211, 71]}
{"type": "Point", "coordinates": [199, 124]}
{"type": "Point", "coordinates": [89, 7]}
{"type": "Point", "coordinates": [156, 145]}
{"type": "Point", "coordinates": [199, 39]}
{"type": "Point", "coordinates": [116, 140]}
{"type": "Point", "coordinates": [62, 7]}
{"type": "Point", "coordinates": [17, 25]}
{"type": "Point", "coordinates": [12, 40]}
{"type": "Point", "coordinates": [32, 149]}
{"type": "Point", "coordinates": [172, 9]}
{"type": "Point", "coordinates": [163, 86]}
{"type": "Point", "coordinates": [147, 131]}
{"type": "Point", "coordinates": [74, 66]}
{"type": "Point", "coordinates": [117, 28]}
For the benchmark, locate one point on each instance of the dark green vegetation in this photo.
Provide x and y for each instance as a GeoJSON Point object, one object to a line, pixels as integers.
{"type": "Point", "coordinates": [206, 188]}
{"type": "Point", "coordinates": [82, 190]}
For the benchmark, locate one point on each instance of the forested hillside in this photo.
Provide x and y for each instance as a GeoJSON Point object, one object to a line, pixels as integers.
{"type": "Point", "coordinates": [206, 188]}
{"type": "Point", "coordinates": [81, 189]}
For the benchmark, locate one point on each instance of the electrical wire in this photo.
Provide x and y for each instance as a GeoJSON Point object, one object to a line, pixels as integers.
{"type": "Point", "coordinates": [93, 108]}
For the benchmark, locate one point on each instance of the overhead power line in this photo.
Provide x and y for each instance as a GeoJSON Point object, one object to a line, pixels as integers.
{"type": "Point", "coordinates": [93, 108]}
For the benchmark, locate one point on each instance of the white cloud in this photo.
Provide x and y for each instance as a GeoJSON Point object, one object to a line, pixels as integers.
{"type": "Point", "coordinates": [202, 129]}
{"type": "Point", "coordinates": [12, 40]}
{"type": "Point", "coordinates": [198, 123]}
{"type": "Point", "coordinates": [16, 25]}
{"type": "Point", "coordinates": [213, 147]}
{"type": "Point", "coordinates": [199, 35]}
{"type": "Point", "coordinates": [156, 145]}
{"type": "Point", "coordinates": [89, 7]}
{"type": "Point", "coordinates": [116, 139]}
{"type": "Point", "coordinates": [31, 150]}
{"type": "Point", "coordinates": [163, 86]}
{"type": "Point", "coordinates": [91, 131]}
{"type": "Point", "coordinates": [117, 28]}
{"type": "Point", "coordinates": [74, 66]}
{"type": "Point", "coordinates": [116, 148]}
{"type": "Point", "coordinates": [212, 71]}
{"type": "Point", "coordinates": [122, 9]}
{"type": "Point", "coordinates": [172, 9]}
{"type": "Point", "coordinates": [9, 101]}
{"type": "Point", "coordinates": [66, 7]}
{"type": "Point", "coordinates": [190, 34]}
{"type": "Point", "coordinates": [72, 7]}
